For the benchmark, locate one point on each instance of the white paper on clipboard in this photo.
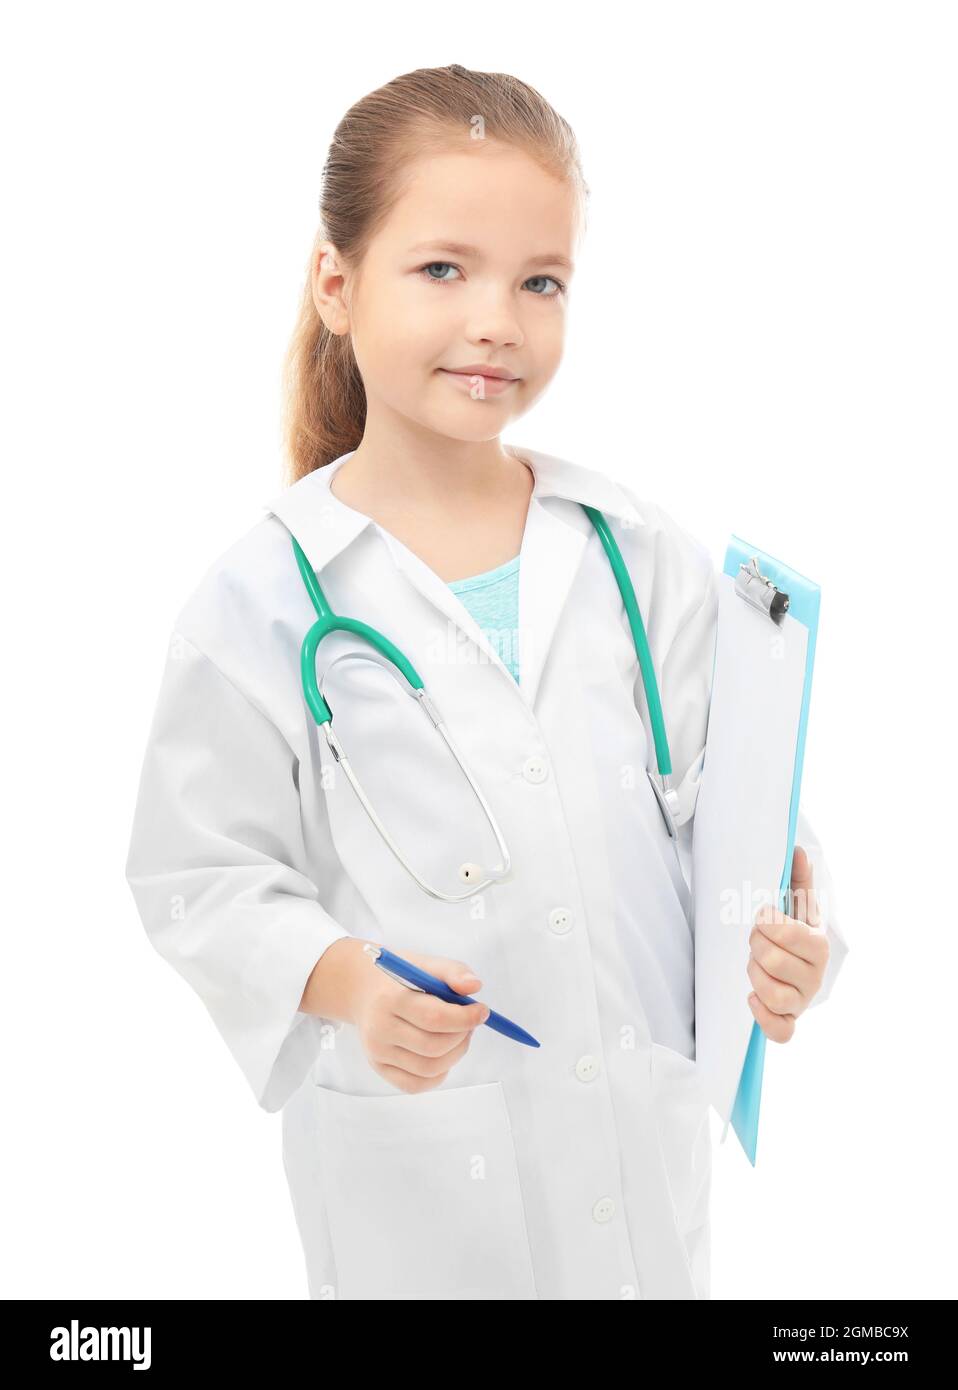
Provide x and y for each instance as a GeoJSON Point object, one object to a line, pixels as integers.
{"type": "Point", "coordinates": [749, 785]}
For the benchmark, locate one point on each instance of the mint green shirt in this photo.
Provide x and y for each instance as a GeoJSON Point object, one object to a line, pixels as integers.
{"type": "Point", "coordinates": [493, 600]}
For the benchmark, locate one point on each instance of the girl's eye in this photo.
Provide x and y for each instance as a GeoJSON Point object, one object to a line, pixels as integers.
{"type": "Point", "coordinates": [436, 265]}
{"type": "Point", "coordinates": [560, 287]}
{"type": "Point", "coordinates": [445, 280]}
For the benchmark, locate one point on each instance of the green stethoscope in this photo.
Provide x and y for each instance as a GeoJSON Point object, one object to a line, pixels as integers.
{"type": "Point", "coordinates": [327, 622]}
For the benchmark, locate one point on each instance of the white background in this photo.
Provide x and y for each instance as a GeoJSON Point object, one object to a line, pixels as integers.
{"type": "Point", "coordinates": [762, 338]}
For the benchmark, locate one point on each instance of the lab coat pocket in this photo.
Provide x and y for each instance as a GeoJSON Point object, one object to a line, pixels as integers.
{"type": "Point", "coordinates": [423, 1195]}
{"type": "Point", "coordinates": [682, 1115]}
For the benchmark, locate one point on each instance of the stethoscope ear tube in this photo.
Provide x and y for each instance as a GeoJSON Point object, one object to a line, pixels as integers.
{"type": "Point", "coordinates": [626, 589]}
{"type": "Point", "coordinates": [667, 799]}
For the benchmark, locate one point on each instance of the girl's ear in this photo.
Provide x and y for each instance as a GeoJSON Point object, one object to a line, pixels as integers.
{"type": "Point", "coordinates": [327, 287]}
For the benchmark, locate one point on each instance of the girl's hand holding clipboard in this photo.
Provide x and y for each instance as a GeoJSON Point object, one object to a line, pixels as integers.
{"type": "Point", "coordinates": [788, 956]}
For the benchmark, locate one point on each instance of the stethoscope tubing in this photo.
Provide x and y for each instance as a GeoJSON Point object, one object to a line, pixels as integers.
{"type": "Point", "coordinates": [328, 622]}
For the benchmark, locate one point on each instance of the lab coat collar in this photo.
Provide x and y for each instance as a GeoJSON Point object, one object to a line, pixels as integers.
{"type": "Point", "coordinates": [324, 525]}
{"type": "Point", "coordinates": [552, 549]}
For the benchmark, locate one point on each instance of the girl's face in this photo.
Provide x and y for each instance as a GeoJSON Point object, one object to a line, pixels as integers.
{"type": "Point", "coordinates": [471, 270]}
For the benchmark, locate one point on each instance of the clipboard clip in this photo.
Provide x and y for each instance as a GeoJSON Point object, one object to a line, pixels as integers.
{"type": "Point", "coordinates": [758, 590]}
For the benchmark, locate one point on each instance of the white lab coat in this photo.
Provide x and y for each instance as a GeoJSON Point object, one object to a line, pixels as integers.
{"type": "Point", "coordinates": [578, 1170]}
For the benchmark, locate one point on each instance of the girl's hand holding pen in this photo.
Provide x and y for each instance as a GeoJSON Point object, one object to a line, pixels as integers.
{"type": "Point", "coordinates": [411, 1039]}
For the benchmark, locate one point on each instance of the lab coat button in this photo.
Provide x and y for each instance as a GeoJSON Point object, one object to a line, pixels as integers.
{"type": "Point", "coordinates": [587, 1068]}
{"type": "Point", "coordinates": [603, 1210]}
{"type": "Point", "coordinates": [560, 919]}
{"type": "Point", "coordinates": [535, 769]}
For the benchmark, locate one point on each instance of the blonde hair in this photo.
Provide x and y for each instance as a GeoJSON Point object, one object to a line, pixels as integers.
{"type": "Point", "coordinates": [427, 111]}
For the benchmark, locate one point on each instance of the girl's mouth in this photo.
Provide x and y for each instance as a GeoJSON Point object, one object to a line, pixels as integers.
{"type": "Point", "coordinates": [491, 385]}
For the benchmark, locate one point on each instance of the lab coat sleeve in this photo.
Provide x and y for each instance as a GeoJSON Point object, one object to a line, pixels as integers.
{"type": "Point", "coordinates": [217, 868]}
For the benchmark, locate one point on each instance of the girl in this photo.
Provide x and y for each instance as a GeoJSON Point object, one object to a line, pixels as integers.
{"type": "Point", "coordinates": [429, 1156]}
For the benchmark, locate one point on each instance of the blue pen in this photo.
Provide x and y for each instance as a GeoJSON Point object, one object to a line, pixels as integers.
{"type": "Point", "coordinates": [405, 973]}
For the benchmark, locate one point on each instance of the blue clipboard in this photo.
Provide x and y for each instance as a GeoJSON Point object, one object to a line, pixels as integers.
{"type": "Point", "coordinates": [804, 599]}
